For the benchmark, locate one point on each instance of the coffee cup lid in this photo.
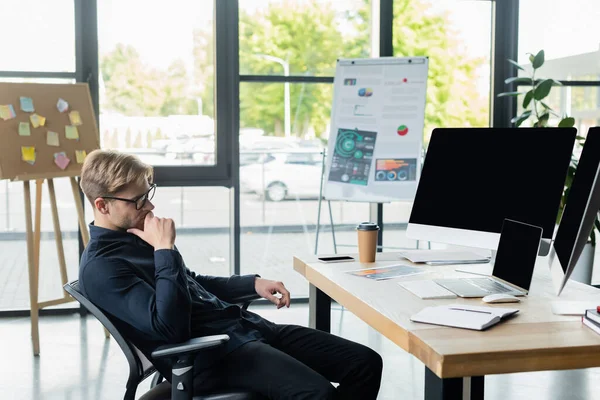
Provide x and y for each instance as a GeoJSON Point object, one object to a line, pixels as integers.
{"type": "Point", "coordinates": [367, 226]}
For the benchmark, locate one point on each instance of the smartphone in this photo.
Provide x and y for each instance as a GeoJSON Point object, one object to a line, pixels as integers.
{"type": "Point", "coordinates": [334, 259]}
{"type": "Point", "coordinates": [517, 252]}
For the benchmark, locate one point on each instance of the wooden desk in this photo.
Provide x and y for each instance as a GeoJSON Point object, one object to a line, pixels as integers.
{"type": "Point", "coordinates": [534, 340]}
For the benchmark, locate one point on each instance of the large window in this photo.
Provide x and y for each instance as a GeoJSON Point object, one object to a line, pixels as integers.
{"type": "Point", "coordinates": [284, 127]}
{"type": "Point", "coordinates": [38, 35]}
{"type": "Point", "coordinates": [157, 80]}
{"type": "Point", "coordinates": [572, 55]}
{"type": "Point", "coordinates": [38, 46]}
{"type": "Point", "coordinates": [456, 36]}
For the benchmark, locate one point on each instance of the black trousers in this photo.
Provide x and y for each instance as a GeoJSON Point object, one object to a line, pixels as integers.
{"type": "Point", "coordinates": [298, 363]}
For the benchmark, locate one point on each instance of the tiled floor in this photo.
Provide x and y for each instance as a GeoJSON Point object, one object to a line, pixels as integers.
{"type": "Point", "coordinates": [76, 362]}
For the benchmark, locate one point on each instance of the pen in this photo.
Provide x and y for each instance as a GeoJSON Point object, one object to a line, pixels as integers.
{"type": "Point", "coordinates": [464, 309]}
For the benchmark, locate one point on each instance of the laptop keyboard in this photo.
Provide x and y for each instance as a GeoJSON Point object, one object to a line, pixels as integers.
{"type": "Point", "coordinates": [488, 285]}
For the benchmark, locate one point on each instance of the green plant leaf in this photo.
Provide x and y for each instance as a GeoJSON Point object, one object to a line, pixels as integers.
{"type": "Point", "coordinates": [538, 60]}
{"type": "Point", "coordinates": [528, 98]}
{"type": "Point", "coordinates": [519, 119]}
{"type": "Point", "coordinates": [519, 79]}
{"type": "Point", "coordinates": [505, 94]}
{"type": "Point", "coordinates": [567, 122]}
{"type": "Point", "coordinates": [542, 89]}
{"type": "Point", "coordinates": [580, 138]}
{"type": "Point", "coordinates": [543, 121]}
{"type": "Point", "coordinates": [546, 106]}
{"type": "Point", "coordinates": [516, 64]}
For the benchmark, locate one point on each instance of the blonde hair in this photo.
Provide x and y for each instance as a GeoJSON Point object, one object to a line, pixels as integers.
{"type": "Point", "coordinates": [106, 172]}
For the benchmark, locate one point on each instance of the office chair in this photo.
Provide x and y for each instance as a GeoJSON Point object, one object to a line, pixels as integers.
{"type": "Point", "coordinates": [183, 354]}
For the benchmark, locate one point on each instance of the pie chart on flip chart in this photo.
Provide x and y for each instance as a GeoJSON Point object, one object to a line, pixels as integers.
{"type": "Point", "coordinates": [402, 130]}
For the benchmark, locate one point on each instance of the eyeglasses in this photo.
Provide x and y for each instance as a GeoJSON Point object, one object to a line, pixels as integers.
{"type": "Point", "coordinates": [139, 201]}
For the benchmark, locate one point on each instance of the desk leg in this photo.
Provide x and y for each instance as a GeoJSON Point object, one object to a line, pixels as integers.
{"type": "Point", "coordinates": [319, 309]}
{"type": "Point", "coordinates": [436, 388]}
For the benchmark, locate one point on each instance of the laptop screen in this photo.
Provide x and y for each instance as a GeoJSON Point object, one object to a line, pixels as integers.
{"type": "Point", "coordinates": [517, 253]}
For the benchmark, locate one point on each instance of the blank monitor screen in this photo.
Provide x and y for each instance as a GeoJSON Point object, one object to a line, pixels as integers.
{"type": "Point", "coordinates": [474, 178]}
{"type": "Point", "coordinates": [583, 202]}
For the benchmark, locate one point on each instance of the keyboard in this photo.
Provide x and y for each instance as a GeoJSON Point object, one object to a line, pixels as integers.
{"type": "Point", "coordinates": [427, 289]}
{"type": "Point", "coordinates": [489, 285]}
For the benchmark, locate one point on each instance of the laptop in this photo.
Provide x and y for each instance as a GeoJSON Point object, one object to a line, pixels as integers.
{"type": "Point", "coordinates": [513, 269]}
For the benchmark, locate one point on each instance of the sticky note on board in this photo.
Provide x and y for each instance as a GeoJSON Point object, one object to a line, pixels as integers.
{"type": "Point", "coordinates": [80, 155]}
{"type": "Point", "coordinates": [75, 118]}
{"type": "Point", "coordinates": [52, 138]}
{"type": "Point", "coordinates": [71, 132]}
{"type": "Point", "coordinates": [4, 112]}
{"type": "Point", "coordinates": [26, 104]}
{"type": "Point", "coordinates": [7, 112]}
{"type": "Point", "coordinates": [37, 120]}
{"type": "Point", "coordinates": [62, 105]}
{"type": "Point", "coordinates": [24, 129]}
{"type": "Point", "coordinates": [28, 154]}
{"type": "Point", "coordinates": [61, 160]}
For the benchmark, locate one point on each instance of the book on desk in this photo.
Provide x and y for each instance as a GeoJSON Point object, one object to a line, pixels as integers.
{"type": "Point", "coordinates": [463, 316]}
{"type": "Point", "coordinates": [591, 319]}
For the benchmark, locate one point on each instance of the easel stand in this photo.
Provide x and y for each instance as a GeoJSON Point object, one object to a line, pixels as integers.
{"type": "Point", "coordinates": [33, 248]}
{"type": "Point", "coordinates": [335, 244]}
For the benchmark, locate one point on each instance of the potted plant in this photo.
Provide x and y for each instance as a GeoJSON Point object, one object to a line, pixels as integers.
{"type": "Point", "coordinates": [539, 113]}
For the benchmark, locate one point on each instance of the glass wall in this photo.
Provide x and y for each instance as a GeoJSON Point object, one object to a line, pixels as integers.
{"type": "Point", "coordinates": [284, 128]}
{"type": "Point", "coordinates": [38, 36]}
{"type": "Point", "coordinates": [157, 100]}
{"type": "Point", "coordinates": [157, 80]}
{"type": "Point", "coordinates": [456, 35]}
{"type": "Point", "coordinates": [572, 53]}
{"type": "Point", "coordinates": [41, 50]}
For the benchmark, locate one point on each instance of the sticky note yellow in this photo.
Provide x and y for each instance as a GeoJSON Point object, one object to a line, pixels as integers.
{"type": "Point", "coordinates": [75, 118]}
{"type": "Point", "coordinates": [80, 154]}
{"type": "Point", "coordinates": [28, 154]}
{"type": "Point", "coordinates": [52, 139]}
{"type": "Point", "coordinates": [24, 129]}
{"type": "Point", "coordinates": [71, 132]}
{"type": "Point", "coordinates": [4, 112]}
{"type": "Point", "coordinates": [7, 112]}
{"type": "Point", "coordinates": [37, 120]}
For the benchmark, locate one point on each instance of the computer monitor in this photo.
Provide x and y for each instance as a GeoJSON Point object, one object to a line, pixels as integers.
{"type": "Point", "coordinates": [577, 221]}
{"type": "Point", "coordinates": [474, 178]}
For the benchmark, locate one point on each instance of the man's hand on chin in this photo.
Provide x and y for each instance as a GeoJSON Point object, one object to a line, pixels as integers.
{"type": "Point", "coordinates": [268, 289]}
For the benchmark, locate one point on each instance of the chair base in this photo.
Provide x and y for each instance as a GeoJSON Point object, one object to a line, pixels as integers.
{"type": "Point", "coordinates": [162, 391]}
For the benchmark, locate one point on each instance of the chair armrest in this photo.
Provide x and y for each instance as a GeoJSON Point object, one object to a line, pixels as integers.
{"type": "Point", "coordinates": [191, 346]}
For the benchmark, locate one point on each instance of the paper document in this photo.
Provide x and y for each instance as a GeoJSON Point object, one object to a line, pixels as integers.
{"type": "Point", "coordinates": [392, 271]}
{"type": "Point", "coordinates": [572, 307]}
{"type": "Point", "coordinates": [444, 256]}
{"type": "Point", "coordinates": [463, 316]}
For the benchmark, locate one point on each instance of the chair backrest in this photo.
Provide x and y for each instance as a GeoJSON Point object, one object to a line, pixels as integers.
{"type": "Point", "coordinates": [139, 365]}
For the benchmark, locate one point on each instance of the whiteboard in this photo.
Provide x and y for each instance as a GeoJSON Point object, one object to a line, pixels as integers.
{"type": "Point", "coordinates": [376, 136]}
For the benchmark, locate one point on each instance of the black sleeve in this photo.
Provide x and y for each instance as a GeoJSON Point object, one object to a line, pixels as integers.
{"type": "Point", "coordinates": [162, 314]}
{"type": "Point", "coordinates": [227, 289]}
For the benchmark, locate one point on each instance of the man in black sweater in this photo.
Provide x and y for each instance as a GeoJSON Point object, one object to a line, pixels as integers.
{"type": "Point", "coordinates": [132, 270]}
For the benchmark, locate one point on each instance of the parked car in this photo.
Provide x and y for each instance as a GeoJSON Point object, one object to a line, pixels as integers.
{"type": "Point", "coordinates": [201, 149]}
{"type": "Point", "coordinates": [278, 175]}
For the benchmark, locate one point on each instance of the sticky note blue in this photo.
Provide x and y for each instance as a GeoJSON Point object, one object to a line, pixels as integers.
{"type": "Point", "coordinates": [27, 104]}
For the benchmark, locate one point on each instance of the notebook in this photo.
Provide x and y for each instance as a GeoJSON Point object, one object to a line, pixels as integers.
{"type": "Point", "coordinates": [462, 316]}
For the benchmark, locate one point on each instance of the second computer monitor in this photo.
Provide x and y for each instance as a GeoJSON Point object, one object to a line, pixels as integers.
{"type": "Point", "coordinates": [474, 178]}
{"type": "Point", "coordinates": [577, 221]}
